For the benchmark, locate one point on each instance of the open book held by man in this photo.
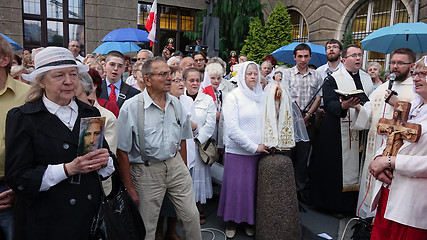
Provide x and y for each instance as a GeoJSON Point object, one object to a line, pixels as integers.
{"type": "Point", "coordinates": [360, 94]}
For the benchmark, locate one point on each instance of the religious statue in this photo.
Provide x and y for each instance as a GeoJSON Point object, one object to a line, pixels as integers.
{"type": "Point", "coordinates": [170, 45]}
{"type": "Point", "coordinates": [233, 58]}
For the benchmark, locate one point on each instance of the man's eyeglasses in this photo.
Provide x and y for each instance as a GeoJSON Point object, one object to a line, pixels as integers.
{"type": "Point", "coordinates": [399, 64]}
{"type": "Point", "coordinates": [333, 46]}
{"type": "Point", "coordinates": [162, 74]}
{"type": "Point", "coordinates": [199, 60]}
{"type": "Point", "coordinates": [178, 80]}
{"type": "Point", "coordinates": [419, 74]}
{"type": "Point", "coordinates": [355, 55]}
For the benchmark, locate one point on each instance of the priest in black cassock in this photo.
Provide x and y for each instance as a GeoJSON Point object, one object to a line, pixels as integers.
{"type": "Point", "coordinates": [335, 171]}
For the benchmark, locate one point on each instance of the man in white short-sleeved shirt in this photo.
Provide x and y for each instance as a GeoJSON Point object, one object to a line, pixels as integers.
{"type": "Point", "coordinates": [161, 170]}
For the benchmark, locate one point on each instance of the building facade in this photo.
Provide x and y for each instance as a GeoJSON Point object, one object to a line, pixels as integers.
{"type": "Point", "coordinates": [34, 23]}
{"type": "Point", "coordinates": [318, 21]}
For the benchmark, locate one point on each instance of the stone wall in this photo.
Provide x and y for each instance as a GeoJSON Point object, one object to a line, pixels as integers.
{"type": "Point", "coordinates": [103, 16]}
{"type": "Point", "coordinates": [11, 23]}
{"type": "Point", "coordinates": [423, 12]}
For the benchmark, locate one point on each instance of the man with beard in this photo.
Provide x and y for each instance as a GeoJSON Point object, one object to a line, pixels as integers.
{"type": "Point", "coordinates": [335, 176]}
{"type": "Point", "coordinates": [401, 63]}
{"type": "Point", "coordinates": [333, 49]}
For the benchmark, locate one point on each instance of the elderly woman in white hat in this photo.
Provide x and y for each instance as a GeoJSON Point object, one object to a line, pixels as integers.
{"type": "Point", "coordinates": [58, 193]}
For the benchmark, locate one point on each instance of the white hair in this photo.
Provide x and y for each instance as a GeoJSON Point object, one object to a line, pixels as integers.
{"type": "Point", "coordinates": [34, 51]}
{"type": "Point", "coordinates": [269, 64]}
{"type": "Point", "coordinates": [217, 60]}
{"type": "Point", "coordinates": [215, 69]}
{"type": "Point", "coordinates": [376, 64]}
{"type": "Point", "coordinates": [16, 69]}
{"type": "Point", "coordinates": [87, 82]}
{"type": "Point", "coordinates": [148, 51]}
{"type": "Point", "coordinates": [170, 60]}
{"type": "Point", "coordinates": [69, 44]}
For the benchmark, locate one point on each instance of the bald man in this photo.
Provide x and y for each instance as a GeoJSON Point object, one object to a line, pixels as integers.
{"type": "Point", "coordinates": [187, 62]}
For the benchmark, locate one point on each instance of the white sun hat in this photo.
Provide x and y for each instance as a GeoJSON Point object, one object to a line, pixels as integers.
{"type": "Point", "coordinates": [52, 58]}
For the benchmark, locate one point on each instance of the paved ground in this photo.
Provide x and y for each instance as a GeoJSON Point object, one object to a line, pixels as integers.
{"type": "Point", "coordinates": [313, 221]}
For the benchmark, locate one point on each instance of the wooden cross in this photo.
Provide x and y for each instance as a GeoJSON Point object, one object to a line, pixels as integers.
{"type": "Point", "coordinates": [397, 129]}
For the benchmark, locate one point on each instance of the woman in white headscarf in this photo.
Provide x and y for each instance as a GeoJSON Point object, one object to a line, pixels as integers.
{"type": "Point", "coordinates": [401, 196]}
{"type": "Point", "coordinates": [242, 111]}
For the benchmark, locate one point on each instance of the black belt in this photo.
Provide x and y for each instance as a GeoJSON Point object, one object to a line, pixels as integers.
{"type": "Point", "coordinates": [148, 163]}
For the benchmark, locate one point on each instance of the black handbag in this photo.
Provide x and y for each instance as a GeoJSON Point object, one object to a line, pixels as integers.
{"type": "Point", "coordinates": [362, 229]}
{"type": "Point", "coordinates": [118, 216]}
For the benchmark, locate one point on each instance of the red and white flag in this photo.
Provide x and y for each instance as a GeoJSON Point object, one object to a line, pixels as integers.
{"type": "Point", "coordinates": [207, 86]}
{"type": "Point", "coordinates": [150, 25]}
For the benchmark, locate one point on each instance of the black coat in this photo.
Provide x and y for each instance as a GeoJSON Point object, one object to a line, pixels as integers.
{"type": "Point", "coordinates": [326, 180]}
{"type": "Point", "coordinates": [34, 139]}
{"type": "Point", "coordinates": [131, 91]}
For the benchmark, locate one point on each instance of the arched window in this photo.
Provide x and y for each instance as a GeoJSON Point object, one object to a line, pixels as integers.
{"type": "Point", "coordinates": [373, 15]}
{"type": "Point", "coordinates": [299, 32]}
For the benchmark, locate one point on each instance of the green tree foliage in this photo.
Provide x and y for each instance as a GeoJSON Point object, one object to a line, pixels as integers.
{"type": "Point", "coordinates": [235, 16]}
{"type": "Point", "coordinates": [263, 40]}
{"type": "Point", "coordinates": [278, 28]}
{"type": "Point", "coordinates": [348, 36]}
{"type": "Point", "coordinates": [254, 47]}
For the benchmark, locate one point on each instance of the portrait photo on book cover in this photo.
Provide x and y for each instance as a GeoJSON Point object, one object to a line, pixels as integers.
{"type": "Point", "coordinates": [91, 134]}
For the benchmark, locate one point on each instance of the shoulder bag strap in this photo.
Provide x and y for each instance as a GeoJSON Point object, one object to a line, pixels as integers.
{"type": "Point", "coordinates": [177, 114]}
{"type": "Point", "coordinates": [122, 95]}
{"type": "Point", "coordinates": [141, 123]}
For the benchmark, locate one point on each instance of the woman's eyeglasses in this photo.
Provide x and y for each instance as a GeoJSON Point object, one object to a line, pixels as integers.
{"type": "Point", "coordinates": [419, 74]}
{"type": "Point", "coordinates": [178, 80]}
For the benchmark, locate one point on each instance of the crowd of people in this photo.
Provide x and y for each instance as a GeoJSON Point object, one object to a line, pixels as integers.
{"type": "Point", "coordinates": [159, 110]}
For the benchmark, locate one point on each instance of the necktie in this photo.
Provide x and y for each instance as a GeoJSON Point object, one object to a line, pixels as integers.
{"type": "Point", "coordinates": [112, 96]}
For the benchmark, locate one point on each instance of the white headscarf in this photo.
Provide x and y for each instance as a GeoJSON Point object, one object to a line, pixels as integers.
{"type": "Point", "coordinates": [256, 94]}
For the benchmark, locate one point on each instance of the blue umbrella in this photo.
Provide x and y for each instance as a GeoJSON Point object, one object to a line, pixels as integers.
{"type": "Point", "coordinates": [15, 46]}
{"type": "Point", "coordinates": [401, 35]}
{"type": "Point", "coordinates": [122, 47]}
{"type": "Point", "coordinates": [286, 54]}
{"type": "Point", "coordinates": [126, 35]}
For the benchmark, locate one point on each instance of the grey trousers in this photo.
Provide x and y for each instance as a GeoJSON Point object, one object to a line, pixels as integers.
{"type": "Point", "coordinates": [169, 177]}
